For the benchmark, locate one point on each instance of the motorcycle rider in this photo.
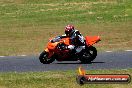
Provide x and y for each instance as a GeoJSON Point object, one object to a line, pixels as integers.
{"type": "Point", "coordinates": [77, 40]}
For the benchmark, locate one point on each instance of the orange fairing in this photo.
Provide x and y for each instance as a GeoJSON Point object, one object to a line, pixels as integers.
{"type": "Point", "coordinates": [52, 46]}
{"type": "Point", "coordinates": [66, 41]}
{"type": "Point", "coordinates": [90, 40]}
{"type": "Point", "coordinates": [47, 50]}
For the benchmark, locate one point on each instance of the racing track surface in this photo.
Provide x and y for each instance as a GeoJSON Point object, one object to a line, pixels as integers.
{"type": "Point", "coordinates": [104, 60]}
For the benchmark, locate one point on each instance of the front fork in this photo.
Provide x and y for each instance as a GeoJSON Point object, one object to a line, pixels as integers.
{"type": "Point", "coordinates": [50, 53]}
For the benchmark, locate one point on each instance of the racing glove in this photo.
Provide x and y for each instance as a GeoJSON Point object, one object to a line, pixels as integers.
{"type": "Point", "coordinates": [71, 47]}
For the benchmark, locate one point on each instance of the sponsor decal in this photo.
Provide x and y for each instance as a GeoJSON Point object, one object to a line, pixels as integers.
{"type": "Point", "coordinates": [83, 78]}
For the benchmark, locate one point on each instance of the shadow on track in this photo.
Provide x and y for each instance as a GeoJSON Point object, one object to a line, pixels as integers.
{"type": "Point", "coordinates": [80, 63]}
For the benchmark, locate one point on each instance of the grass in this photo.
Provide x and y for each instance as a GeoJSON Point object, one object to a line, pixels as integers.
{"type": "Point", "coordinates": [26, 25]}
{"type": "Point", "coordinates": [56, 79]}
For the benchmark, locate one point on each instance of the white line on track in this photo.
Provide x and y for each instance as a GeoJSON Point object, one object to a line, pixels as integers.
{"type": "Point", "coordinates": [2, 56]}
{"type": "Point", "coordinates": [108, 51]}
{"type": "Point", "coordinates": [23, 55]}
{"type": "Point", "coordinates": [128, 50]}
{"type": "Point", "coordinates": [105, 51]}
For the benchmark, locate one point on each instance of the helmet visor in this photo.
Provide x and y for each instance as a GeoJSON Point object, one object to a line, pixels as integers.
{"type": "Point", "coordinates": [67, 33]}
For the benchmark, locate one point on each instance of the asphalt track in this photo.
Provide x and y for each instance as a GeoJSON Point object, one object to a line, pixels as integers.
{"type": "Point", "coordinates": [104, 60]}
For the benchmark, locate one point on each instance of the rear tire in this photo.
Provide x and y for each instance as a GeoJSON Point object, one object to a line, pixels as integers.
{"type": "Point", "coordinates": [44, 58]}
{"type": "Point", "coordinates": [88, 55]}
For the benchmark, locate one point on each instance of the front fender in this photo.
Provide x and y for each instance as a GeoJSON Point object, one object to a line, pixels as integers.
{"type": "Point", "coordinates": [50, 53]}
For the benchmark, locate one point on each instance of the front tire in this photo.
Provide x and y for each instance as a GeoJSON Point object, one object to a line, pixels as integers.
{"type": "Point", "coordinates": [44, 58]}
{"type": "Point", "coordinates": [88, 55]}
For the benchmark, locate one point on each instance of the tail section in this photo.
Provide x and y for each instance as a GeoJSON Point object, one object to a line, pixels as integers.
{"type": "Point", "coordinates": [90, 40]}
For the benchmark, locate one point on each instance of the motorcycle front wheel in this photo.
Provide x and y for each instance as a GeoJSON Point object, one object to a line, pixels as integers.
{"type": "Point", "coordinates": [44, 58]}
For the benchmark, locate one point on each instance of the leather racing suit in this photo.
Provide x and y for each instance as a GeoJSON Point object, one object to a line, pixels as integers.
{"type": "Point", "coordinates": [77, 41]}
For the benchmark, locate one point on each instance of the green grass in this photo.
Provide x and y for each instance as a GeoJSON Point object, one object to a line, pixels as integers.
{"type": "Point", "coordinates": [56, 79]}
{"type": "Point", "coordinates": [26, 25]}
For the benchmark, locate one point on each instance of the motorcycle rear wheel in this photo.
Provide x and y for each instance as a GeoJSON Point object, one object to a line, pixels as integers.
{"type": "Point", "coordinates": [89, 55]}
{"type": "Point", "coordinates": [44, 58]}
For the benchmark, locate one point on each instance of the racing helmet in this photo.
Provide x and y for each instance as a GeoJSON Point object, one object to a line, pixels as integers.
{"type": "Point", "coordinates": [69, 29]}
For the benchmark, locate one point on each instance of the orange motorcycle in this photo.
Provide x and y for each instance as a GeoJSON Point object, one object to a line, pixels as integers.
{"type": "Point", "coordinates": [56, 50]}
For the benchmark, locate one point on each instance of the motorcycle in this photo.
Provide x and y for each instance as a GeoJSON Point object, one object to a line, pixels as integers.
{"type": "Point", "coordinates": [56, 50]}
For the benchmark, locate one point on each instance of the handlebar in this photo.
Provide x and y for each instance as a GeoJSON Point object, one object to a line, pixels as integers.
{"type": "Point", "coordinates": [62, 46]}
